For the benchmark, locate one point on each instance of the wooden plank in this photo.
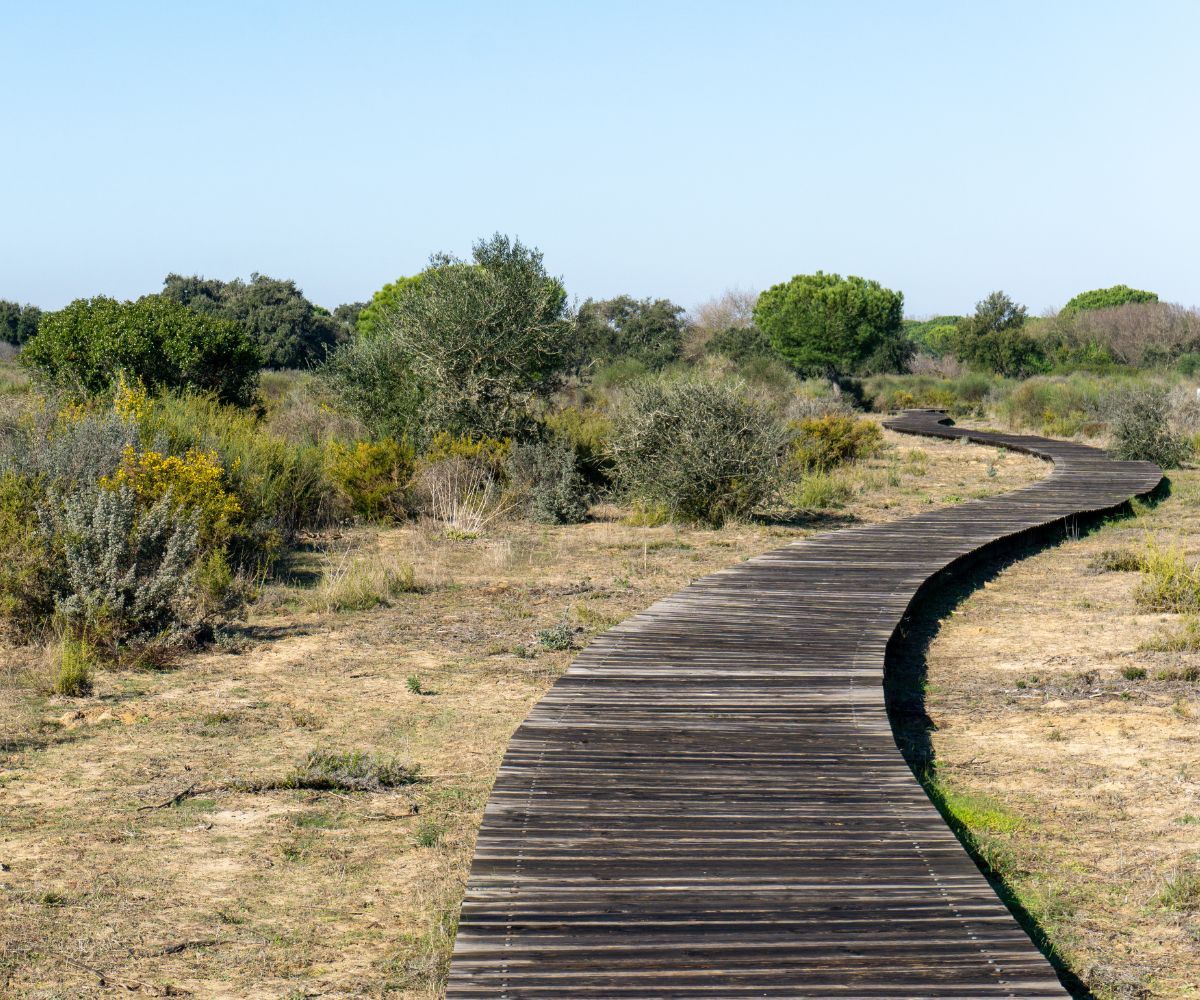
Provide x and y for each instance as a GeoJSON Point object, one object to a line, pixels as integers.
{"type": "Point", "coordinates": [710, 802]}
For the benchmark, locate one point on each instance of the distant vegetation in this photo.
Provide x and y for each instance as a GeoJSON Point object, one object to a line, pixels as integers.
{"type": "Point", "coordinates": [153, 471]}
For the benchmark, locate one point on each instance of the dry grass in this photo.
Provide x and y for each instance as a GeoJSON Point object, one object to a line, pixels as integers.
{"type": "Point", "coordinates": [152, 838]}
{"type": "Point", "coordinates": [1056, 695]}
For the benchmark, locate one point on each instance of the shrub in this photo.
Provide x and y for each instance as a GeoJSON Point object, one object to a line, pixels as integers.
{"type": "Point", "coordinates": [371, 378]}
{"type": "Point", "coordinates": [557, 637]}
{"type": "Point", "coordinates": [192, 482]}
{"type": "Point", "coordinates": [741, 344]}
{"type": "Point", "coordinates": [546, 472]}
{"type": "Point", "coordinates": [30, 572]}
{"type": "Point", "coordinates": [1039, 403]}
{"type": "Point", "coordinates": [490, 453]}
{"type": "Point", "coordinates": [1117, 561]}
{"type": "Point", "coordinates": [647, 330]}
{"type": "Point", "coordinates": [1138, 417]}
{"type": "Point", "coordinates": [290, 331]}
{"type": "Point", "coordinates": [75, 665]}
{"type": "Point", "coordinates": [1169, 582]}
{"type": "Point", "coordinates": [588, 431]}
{"type": "Point", "coordinates": [84, 347]}
{"type": "Point", "coordinates": [280, 487]}
{"type": "Point", "coordinates": [960, 396]}
{"type": "Point", "coordinates": [706, 450]}
{"type": "Point", "coordinates": [464, 496]}
{"type": "Point", "coordinates": [825, 442]}
{"type": "Point", "coordinates": [374, 476]}
{"type": "Point", "coordinates": [478, 343]}
{"type": "Point", "coordinates": [129, 573]}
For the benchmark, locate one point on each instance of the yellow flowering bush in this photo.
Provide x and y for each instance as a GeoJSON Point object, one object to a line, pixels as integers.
{"type": "Point", "coordinates": [131, 402]}
{"type": "Point", "coordinates": [486, 451]}
{"type": "Point", "coordinates": [194, 480]}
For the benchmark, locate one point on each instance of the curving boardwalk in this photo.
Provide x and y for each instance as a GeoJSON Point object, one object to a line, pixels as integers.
{"type": "Point", "coordinates": [710, 802]}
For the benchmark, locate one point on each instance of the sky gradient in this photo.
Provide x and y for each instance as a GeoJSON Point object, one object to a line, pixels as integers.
{"type": "Point", "coordinates": [651, 148]}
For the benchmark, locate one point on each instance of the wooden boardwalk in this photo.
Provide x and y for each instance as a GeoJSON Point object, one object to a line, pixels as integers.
{"type": "Point", "coordinates": [710, 802]}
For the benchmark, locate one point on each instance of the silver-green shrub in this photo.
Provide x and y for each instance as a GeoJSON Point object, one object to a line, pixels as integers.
{"type": "Point", "coordinates": [705, 450]}
{"type": "Point", "coordinates": [547, 474]}
{"type": "Point", "coordinates": [1139, 418]}
{"type": "Point", "coordinates": [129, 574]}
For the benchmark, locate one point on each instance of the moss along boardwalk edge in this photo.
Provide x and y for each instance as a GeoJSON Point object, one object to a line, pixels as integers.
{"type": "Point", "coordinates": [711, 803]}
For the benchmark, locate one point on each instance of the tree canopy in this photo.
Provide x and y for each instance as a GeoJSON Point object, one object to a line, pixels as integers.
{"type": "Point", "coordinates": [18, 323]}
{"type": "Point", "coordinates": [289, 330]}
{"type": "Point", "coordinates": [824, 324]}
{"type": "Point", "coordinates": [384, 304]}
{"type": "Point", "coordinates": [992, 338]}
{"type": "Point", "coordinates": [85, 346]}
{"type": "Point", "coordinates": [1106, 298]}
{"type": "Point", "coordinates": [646, 330]}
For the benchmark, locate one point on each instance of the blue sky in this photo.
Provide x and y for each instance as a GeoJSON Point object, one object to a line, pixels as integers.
{"type": "Point", "coordinates": [655, 148]}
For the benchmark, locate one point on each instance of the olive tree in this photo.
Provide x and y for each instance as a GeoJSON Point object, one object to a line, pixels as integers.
{"type": "Point", "coordinates": [470, 350]}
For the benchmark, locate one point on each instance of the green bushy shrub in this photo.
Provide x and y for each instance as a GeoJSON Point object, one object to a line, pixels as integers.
{"type": "Point", "coordinates": [86, 346]}
{"type": "Point", "coordinates": [30, 573]}
{"type": "Point", "coordinates": [1049, 403]}
{"type": "Point", "coordinates": [588, 432]}
{"type": "Point", "coordinates": [706, 450]}
{"type": "Point", "coordinates": [281, 488]}
{"type": "Point", "coordinates": [968, 394]}
{"type": "Point", "coordinates": [822, 443]}
{"type": "Point", "coordinates": [741, 344]}
{"type": "Point", "coordinates": [374, 476]}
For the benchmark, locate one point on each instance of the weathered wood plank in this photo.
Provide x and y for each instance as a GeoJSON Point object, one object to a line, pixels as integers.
{"type": "Point", "coordinates": [710, 802]}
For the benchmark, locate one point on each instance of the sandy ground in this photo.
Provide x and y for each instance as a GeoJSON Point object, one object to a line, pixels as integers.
{"type": "Point", "coordinates": [131, 861]}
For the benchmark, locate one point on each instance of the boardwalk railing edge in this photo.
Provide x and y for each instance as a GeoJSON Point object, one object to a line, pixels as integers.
{"type": "Point", "coordinates": [710, 801]}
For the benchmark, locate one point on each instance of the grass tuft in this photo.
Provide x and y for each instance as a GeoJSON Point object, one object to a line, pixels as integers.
{"type": "Point", "coordinates": [560, 636]}
{"type": "Point", "coordinates": [353, 771]}
{"type": "Point", "coordinates": [821, 491]}
{"type": "Point", "coordinates": [76, 660]}
{"type": "Point", "coordinates": [1181, 891]}
{"type": "Point", "coordinates": [1169, 582]}
{"type": "Point", "coordinates": [1186, 640]}
{"type": "Point", "coordinates": [360, 585]}
{"type": "Point", "coordinates": [1116, 561]}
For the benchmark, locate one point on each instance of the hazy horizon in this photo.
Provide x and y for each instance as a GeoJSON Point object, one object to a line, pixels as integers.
{"type": "Point", "coordinates": [664, 149]}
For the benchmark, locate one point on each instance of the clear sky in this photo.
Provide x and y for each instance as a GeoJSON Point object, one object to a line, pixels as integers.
{"type": "Point", "coordinates": [655, 148]}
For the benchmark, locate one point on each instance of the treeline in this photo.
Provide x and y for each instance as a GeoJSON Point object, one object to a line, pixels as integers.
{"type": "Point", "coordinates": [1098, 331]}
{"type": "Point", "coordinates": [818, 325]}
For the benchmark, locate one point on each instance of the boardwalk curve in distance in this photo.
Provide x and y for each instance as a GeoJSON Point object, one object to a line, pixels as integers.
{"type": "Point", "coordinates": [710, 801]}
